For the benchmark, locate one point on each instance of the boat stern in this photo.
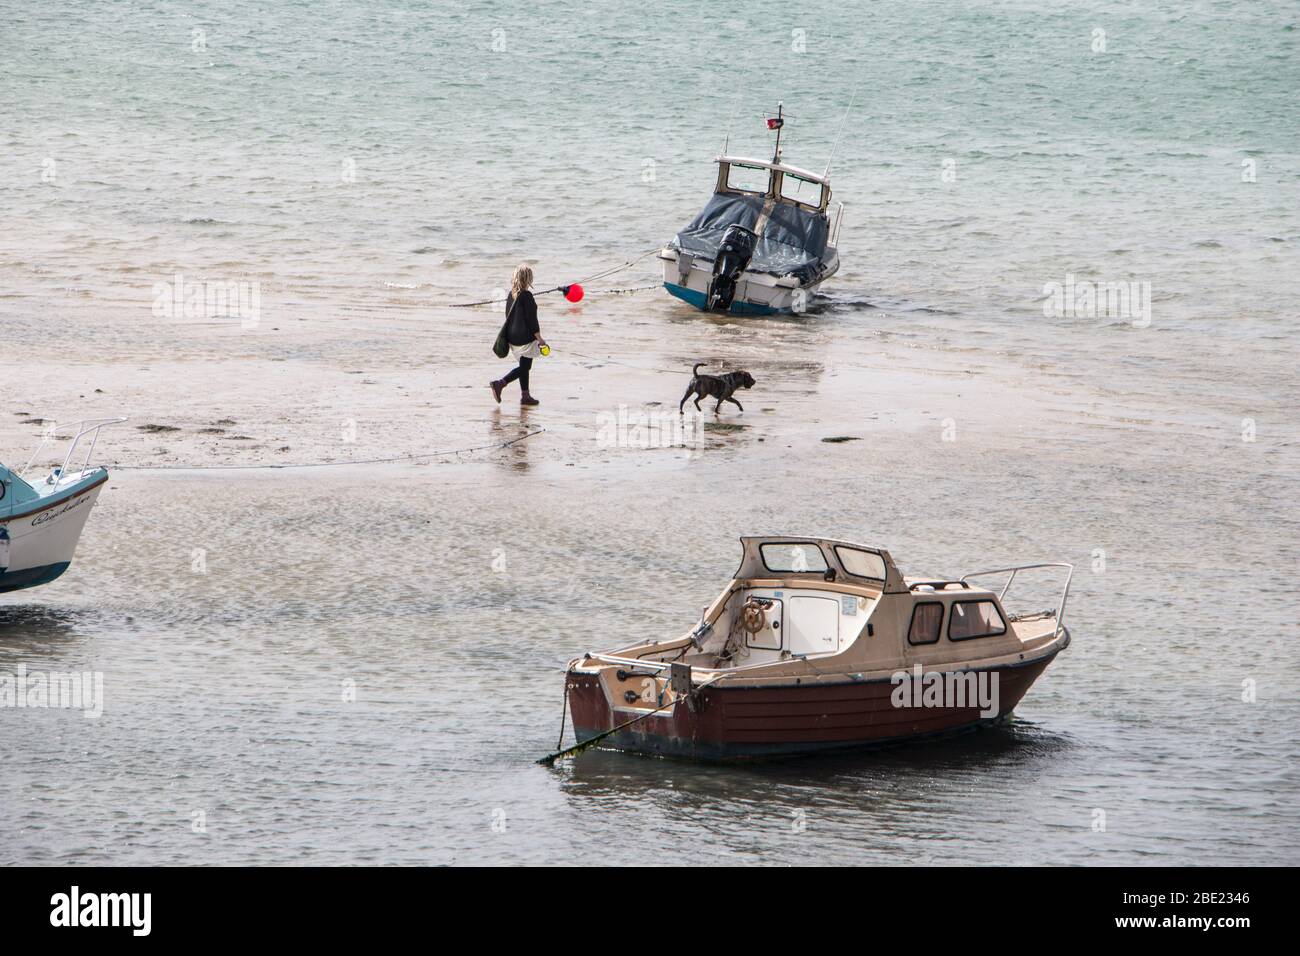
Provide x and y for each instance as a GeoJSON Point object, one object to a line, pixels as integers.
{"type": "Point", "coordinates": [646, 710]}
{"type": "Point", "coordinates": [688, 277]}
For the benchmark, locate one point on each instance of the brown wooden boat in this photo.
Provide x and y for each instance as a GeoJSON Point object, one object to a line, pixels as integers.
{"type": "Point", "coordinates": [819, 645]}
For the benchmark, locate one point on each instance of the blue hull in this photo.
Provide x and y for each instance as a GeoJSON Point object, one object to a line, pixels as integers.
{"type": "Point", "coordinates": [699, 300]}
{"type": "Point", "coordinates": [31, 577]}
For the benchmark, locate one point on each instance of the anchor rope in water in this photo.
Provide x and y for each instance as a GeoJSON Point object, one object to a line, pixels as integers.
{"type": "Point", "coordinates": [591, 278]}
{"type": "Point", "coordinates": [549, 759]}
{"type": "Point", "coordinates": [417, 456]}
{"type": "Point", "coordinates": [628, 291]}
{"type": "Point", "coordinates": [564, 710]}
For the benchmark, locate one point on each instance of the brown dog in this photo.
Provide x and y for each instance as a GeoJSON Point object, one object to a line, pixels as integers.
{"type": "Point", "coordinates": [720, 387]}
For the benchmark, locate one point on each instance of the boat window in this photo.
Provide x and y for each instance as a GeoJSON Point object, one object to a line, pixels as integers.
{"type": "Point", "coordinates": [793, 557]}
{"type": "Point", "coordinates": [927, 618]}
{"type": "Point", "coordinates": [801, 190]}
{"type": "Point", "coordinates": [750, 179]}
{"type": "Point", "coordinates": [862, 564]}
{"type": "Point", "coordinates": [975, 619]}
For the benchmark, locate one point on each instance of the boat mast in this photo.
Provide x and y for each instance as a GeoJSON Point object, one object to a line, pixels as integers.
{"type": "Point", "coordinates": [780, 122]}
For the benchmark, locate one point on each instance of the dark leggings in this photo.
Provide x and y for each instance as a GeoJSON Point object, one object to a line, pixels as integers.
{"type": "Point", "coordinates": [521, 373]}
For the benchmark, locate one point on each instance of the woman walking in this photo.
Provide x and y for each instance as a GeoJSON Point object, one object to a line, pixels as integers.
{"type": "Point", "coordinates": [522, 333]}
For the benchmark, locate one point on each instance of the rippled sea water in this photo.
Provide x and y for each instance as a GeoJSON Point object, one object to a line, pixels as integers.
{"type": "Point", "coordinates": [1162, 459]}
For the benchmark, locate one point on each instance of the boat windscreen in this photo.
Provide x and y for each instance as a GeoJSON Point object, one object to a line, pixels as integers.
{"type": "Point", "coordinates": [861, 564]}
{"type": "Point", "coordinates": [798, 189]}
{"type": "Point", "coordinates": [752, 179]}
{"type": "Point", "coordinates": [792, 242]}
{"type": "Point", "coordinates": [800, 557]}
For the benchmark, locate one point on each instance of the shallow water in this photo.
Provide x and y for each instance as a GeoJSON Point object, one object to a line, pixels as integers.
{"type": "Point", "coordinates": [450, 593]}
{"type": "Point", "coordinates": [224, 688]}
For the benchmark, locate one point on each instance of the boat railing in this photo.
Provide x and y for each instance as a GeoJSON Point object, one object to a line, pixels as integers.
{"type": "Point", "coordinates": [667, 665]}
{"type": "Point", "coordinates": [835, 230]}
{"type": "Point", "coordinates": [77, 432]}
{"type": "Point", "coordinates": [1058, 611]}
{"type": "Point", "coordinates": [629, 661]}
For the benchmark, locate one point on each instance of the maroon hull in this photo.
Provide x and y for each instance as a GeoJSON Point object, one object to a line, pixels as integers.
{"type": "Point", "coordinates": [731, 722]}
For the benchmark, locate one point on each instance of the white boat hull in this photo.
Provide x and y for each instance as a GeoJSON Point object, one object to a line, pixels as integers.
{"type": "Point", "coordinates": [43, 537]}
{"type": "Point", "coordinates": [757, 293]}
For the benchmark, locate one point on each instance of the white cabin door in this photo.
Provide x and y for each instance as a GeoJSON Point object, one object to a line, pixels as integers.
{"type": "Point", "coordinates": [813, 625]}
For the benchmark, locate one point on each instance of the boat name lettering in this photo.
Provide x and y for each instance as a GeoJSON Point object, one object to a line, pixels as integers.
{"type": "Point", "coordinates": [50, 515]}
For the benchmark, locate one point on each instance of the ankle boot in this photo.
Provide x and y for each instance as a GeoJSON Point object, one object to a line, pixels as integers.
{"type": "Point", "coordinates": [527, 399]}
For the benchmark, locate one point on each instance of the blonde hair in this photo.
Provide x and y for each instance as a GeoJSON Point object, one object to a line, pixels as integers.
{"type": "Point", "coordinates": [522, 279]}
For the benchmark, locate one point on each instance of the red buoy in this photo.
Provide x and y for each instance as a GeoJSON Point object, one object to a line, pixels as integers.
{"type": "Point", "coordinates": [573, 292]}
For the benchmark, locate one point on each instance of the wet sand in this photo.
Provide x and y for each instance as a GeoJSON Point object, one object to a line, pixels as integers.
{"type": "Point", "coordinates": [414, 382]}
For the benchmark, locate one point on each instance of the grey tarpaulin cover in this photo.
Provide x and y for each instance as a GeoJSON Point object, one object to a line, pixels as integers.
{"type": "Point", "coordinates": [792, 243]}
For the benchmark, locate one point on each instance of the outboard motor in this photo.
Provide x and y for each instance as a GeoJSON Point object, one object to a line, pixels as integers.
{"type": "Point", "coordinates": [734, 253]}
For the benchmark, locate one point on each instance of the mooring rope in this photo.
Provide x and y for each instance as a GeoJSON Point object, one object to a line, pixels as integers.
{"type": "Point", "coordinates": [591, 278]}
{"type": "Point", "coordinates": [549, 759]}
{"type": "Point", "coordinates": [628, 291]}
{"type": "Point", "coordinates": [564, 710]}
{"type": "Point", "coordinates": [328, 464]}
{"type": "Point", "coordinates": [603, 360]}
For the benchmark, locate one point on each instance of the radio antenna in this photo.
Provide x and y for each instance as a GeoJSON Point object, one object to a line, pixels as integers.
{"type": "Point", "coordinates": [735, 105]}
{"type": "Point", "coordinates": [844, 122]}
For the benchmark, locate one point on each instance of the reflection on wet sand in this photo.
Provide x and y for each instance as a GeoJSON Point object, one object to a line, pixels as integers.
{"type": "Point", "coordinates": [39, 631]}
{"type": "Point", "coordinates": [507, 427]}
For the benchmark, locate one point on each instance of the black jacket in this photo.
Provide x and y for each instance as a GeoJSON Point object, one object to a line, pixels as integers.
{"type": "Point", "coordinates": [521, 319]}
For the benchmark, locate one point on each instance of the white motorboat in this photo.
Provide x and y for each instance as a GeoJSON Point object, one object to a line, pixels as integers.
{"type": "Point", "coordinates": [762, 244]}
{"type": "Point", "coordinates": [41, 521]}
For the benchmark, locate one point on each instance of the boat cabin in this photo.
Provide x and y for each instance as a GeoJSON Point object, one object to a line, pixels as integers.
{"type": "Point", "coordinates": [778, 182]}
{"type": "Point", "coordinates": [822, 606]}
{"type": "Point", "coordinates": [14, 492]}
{"type": "Point", "coordinates": [794, 598]}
